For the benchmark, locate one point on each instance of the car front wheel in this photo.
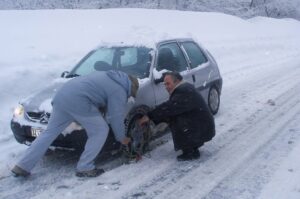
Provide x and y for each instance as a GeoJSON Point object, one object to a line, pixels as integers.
{"type": "Point", "coordinates": [140, 136]}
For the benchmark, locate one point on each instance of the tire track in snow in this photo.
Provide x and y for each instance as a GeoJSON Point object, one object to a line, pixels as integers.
{"type": "Point", "coordinates": [255, 96]}
{"type": "Point", "coordinates": [251, 93]}
{"type": "Point", "coordinates": [250, 178]}
{"type": "Point", "coordinates": [252, 139]}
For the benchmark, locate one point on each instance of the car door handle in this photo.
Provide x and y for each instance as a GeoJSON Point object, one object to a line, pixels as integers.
{"type": "Point", "coordinates": [194, 78]}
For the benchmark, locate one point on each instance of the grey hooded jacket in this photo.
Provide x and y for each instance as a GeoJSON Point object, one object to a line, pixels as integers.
{"type": "Point", "coordinates": [84, 95]}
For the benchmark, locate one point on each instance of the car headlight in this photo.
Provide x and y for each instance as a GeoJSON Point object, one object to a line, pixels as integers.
{"type": "Point", "coordinates": [19, 111]}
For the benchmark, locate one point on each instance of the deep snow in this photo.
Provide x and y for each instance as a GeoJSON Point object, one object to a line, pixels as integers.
{"type": "Point", "coordinates": [241, 8]}
{"type": "Point", "coordinates": [254, 154]}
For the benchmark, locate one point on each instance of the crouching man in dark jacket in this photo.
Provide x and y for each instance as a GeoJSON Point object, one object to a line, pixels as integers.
{"type": "Point", "coordinates": [187, 114]}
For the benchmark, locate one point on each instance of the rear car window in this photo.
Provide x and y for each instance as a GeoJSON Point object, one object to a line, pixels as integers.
{"type": "Point", "coordinates": [194, 53]}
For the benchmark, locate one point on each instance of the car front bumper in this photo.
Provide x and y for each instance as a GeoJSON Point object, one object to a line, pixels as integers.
{"type": "Point", "coordinates": [75, 140]}
{"type": "Point", "coordinates": [24, 135]}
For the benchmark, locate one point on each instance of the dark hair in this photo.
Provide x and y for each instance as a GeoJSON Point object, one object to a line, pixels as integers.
{"type": "Point", "coordinates": [175, 75]}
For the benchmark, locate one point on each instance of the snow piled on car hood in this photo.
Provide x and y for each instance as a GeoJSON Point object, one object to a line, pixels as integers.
{"type": "Point", "coordinates": [41, 100]}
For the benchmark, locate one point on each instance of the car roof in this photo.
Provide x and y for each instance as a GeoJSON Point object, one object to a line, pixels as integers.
{"type": "Point", "coordinates": [150, 44]}
{"type": "Point", "coordinates": [174, 40]}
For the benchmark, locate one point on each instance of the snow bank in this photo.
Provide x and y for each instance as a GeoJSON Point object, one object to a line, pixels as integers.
{"type": "Point", "coordinates": [37, 46]}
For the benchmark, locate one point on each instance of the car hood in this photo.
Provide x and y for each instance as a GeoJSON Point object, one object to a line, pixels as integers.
{"type": "Point", "coordinates": [40, 101]}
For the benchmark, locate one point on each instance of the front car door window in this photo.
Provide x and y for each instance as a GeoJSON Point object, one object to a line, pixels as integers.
{"type": "Point", "coordinates": [171, 58]}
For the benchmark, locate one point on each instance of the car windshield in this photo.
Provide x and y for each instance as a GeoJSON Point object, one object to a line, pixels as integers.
{"type": "Point", "coordinates": [132, 60]}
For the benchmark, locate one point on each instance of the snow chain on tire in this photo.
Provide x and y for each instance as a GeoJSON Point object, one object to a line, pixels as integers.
{"type": "Point", "coordinates": [140, 136]}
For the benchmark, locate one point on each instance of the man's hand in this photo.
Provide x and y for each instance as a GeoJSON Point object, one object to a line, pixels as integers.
{"type": "Point", "coordinates": [126, 141]}
{"type": "Point", "coordinates": [145, 119]}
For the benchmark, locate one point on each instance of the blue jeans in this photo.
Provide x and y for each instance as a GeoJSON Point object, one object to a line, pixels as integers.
{"type": "Point", "coordinates": [96, 129]}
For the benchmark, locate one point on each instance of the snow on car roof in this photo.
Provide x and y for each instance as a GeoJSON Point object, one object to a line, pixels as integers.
{"type": "Point", "coordinates": [150, 43]}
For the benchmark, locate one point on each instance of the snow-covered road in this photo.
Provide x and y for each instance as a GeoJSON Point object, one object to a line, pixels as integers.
{"type": "Point", "coordinates": [254, 154]}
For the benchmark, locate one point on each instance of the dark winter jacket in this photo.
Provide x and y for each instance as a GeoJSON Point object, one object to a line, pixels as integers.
{"type": "Point", "coordinates": [188, 117]}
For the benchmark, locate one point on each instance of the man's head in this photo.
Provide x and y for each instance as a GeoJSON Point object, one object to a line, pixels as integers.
{"type": "Point", "coordinates": [171, 80]}
{"type": "Point", "coordinates": [134, 85]}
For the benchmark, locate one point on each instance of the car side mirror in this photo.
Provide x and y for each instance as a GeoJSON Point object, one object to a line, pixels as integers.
{"type": "Point", "coordinates": [159, 80]}
{"type": "Point", "coordinates": [64, 74]}
{"type": "Point", "coordinates": [158, 76]}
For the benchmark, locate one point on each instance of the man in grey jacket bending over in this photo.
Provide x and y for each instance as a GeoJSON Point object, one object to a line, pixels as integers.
{"type": "Point", "coordinates": [79, 100]}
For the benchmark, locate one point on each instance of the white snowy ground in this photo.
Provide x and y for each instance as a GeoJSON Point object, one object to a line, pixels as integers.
{"type": "Point", "coordinates": [255, 153]}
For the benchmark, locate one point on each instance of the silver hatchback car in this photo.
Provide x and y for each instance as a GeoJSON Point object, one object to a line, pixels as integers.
{"type": "Point", "coordinates": [194, 63]}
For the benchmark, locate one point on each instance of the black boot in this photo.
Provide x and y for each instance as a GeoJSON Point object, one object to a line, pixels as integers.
{"type": "Point", "coordinates": [191, 154]}
{"type": "Point", "coordinates": [91, 173]}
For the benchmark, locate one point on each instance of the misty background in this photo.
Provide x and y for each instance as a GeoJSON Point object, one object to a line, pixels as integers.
{"type": "Point", "coordinates": [241, 8]}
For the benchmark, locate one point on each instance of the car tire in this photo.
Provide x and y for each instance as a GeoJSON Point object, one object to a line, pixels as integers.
{"type": "Point", "coordinates": [213, 100]}
{"type": "Point", "coordinates": [133, 115]}
{"type": "Point", "coordinates": [130, 125]}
